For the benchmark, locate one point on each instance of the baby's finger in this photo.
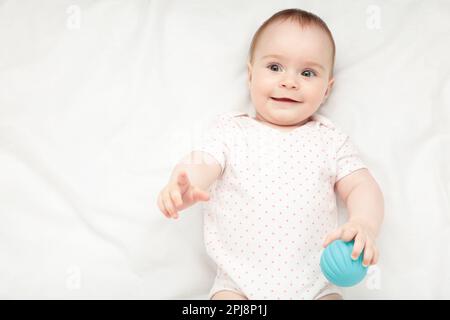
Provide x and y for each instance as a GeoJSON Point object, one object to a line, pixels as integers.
{"type": "Point", "coordinates": [200, 195]}
{"type": "Point", "coordinates": [360, 242]}
{"type": "Point", "coordinates": [368, 255]}
{"type": "Point", "coordinates": [334, 235]}
{"type": "Point", "coordinates": [189, 195]}
{"type": "Point", "coordinates": [168, 205]}
{"type": "Point", "coordinates": [161, 206]}
{"type": "Point", "coordinates": [176, 198]}
{"type": "Point", "coordinates": [375, 256]}
{"type": "Point", "coordinates": [348, 234]}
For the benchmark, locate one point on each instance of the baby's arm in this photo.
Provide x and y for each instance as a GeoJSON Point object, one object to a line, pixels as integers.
{"type": "Point", "coordinates": [190, 177]}
{"type": "Point", "coordinates": [364, 201]}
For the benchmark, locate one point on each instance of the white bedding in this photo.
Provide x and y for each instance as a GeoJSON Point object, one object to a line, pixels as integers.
{"type": "Point", "coordinates": [98, 101]}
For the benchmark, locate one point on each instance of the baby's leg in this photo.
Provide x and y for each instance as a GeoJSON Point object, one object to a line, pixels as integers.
{"type": "Point", "coordinates": [332, 296]}
{"type": "Point", "coordinates": [227, 295]}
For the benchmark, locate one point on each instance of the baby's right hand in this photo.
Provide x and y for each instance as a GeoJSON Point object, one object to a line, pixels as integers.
{"type": "Point", "coordinates": [179, 195]}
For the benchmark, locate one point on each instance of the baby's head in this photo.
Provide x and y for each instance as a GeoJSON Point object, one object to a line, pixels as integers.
{"type": "Point", "coordinates": [291, 56]}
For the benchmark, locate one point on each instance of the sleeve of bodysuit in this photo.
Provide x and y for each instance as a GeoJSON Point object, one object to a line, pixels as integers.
{"type": "Point", "coordinates": [348, 158]}
{"type": "Point", "coordinates": [212, 140]}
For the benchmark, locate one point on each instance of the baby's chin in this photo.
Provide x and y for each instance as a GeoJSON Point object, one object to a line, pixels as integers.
{"type": "Point", "coordinates": [286, 119]}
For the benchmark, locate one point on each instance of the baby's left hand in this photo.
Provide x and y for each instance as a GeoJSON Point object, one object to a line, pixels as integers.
{"type": "Point", "coordinates": [363, 241]}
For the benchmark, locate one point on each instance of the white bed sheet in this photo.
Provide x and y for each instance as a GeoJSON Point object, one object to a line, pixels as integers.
{"type": "Point", "coordinates": [98, 101]}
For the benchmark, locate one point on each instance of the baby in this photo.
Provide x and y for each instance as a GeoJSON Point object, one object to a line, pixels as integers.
{"type": "Point", "coordinates": [269, 178]}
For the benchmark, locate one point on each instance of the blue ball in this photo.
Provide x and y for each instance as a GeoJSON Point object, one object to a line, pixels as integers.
{"type": "Point", "coordinates": [338, 266]}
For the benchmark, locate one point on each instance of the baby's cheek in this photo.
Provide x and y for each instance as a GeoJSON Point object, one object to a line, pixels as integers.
{"type": "Point", "coordinates": [260, 93]}
{"type": "Point", "coordinates": [260, 88]}
{"type": "Point", "coordinates": [314, 101]}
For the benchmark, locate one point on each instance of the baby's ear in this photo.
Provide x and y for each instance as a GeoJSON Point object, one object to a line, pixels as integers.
{"type": "Point", "coordinates": [330, 86]}
{"type": "Point", "coordinates": [249, 72]}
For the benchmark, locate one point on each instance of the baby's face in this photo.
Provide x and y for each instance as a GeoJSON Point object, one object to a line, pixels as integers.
{"type": "Point", "coordinates": [300, 70]}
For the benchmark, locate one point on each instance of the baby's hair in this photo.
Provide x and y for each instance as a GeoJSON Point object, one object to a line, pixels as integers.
{"type": "Point", "coordinates": [304, 19]}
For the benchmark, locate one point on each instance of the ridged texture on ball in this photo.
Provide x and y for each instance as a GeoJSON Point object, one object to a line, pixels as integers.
{"type": "Point", "coordinates": [338, 266]}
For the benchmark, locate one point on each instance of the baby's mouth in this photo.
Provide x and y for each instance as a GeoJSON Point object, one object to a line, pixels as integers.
{"type": "Point", "coordinates": [288, 100]}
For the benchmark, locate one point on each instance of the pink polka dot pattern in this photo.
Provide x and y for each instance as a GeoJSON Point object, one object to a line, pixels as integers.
{"type": "Point", "coordinates": [273, 204]}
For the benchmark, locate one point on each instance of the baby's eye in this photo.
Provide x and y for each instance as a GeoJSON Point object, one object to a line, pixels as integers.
{"type": "Point", "coordinates": [308, 73]}
{"type": "Point", "coordinates": [274, 67]}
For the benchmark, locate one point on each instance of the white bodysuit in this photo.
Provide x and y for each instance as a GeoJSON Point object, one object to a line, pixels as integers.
{"type": "Point", "coordinates": [273, 204]}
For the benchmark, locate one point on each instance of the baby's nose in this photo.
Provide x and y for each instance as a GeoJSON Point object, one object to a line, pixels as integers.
{"type": "Point", "coordinates": [289, 81]}
{"type": "Point", "coordinates": [289, 84]}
